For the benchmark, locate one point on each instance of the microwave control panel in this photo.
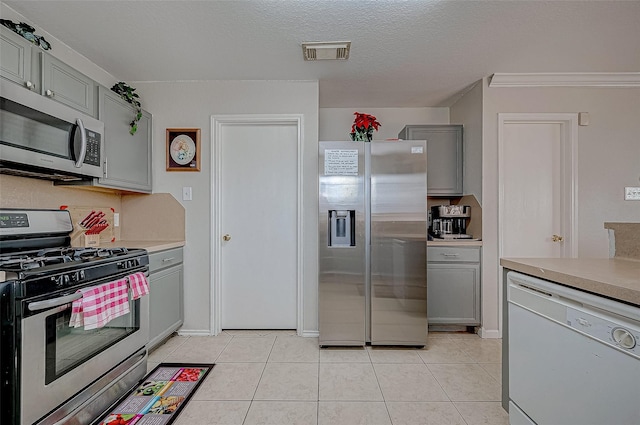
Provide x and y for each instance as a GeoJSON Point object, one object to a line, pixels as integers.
{"type": "Point", "coordinates": [93, 148]}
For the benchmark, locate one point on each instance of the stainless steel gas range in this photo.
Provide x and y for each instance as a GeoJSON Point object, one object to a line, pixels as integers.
{"type": "Point", "coordinates": [52, 372]}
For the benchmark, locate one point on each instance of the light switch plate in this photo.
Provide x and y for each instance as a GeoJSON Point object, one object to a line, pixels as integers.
{"type": "Point", "coordinates": [116, 219]}
{"type": "Point", "coordinates": [632, 193]}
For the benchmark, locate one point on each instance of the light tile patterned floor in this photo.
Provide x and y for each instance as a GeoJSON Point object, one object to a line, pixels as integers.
{"type": "Point", "coordinates": [278, 378]}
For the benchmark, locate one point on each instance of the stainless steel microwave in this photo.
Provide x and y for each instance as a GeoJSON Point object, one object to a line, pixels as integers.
{"type": "Point", "coordinates": [42, 138]}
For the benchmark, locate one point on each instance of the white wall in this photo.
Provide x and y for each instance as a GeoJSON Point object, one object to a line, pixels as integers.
{"type": "Point", "coordinates": [468, 112]}
{"type": "Point", "coordinates": [191, 104]}
{"type": "Point", "coordinates": [335, 123]}
{"type": "Point", "coordinates": [608, 160]}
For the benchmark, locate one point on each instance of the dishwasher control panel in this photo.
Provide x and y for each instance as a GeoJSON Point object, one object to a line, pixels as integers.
{"type": "Point", "coordinates": [609, 332]}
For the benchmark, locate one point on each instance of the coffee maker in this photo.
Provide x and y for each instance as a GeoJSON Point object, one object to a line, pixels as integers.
{"type": "Point", "coordinates": [450, 221]}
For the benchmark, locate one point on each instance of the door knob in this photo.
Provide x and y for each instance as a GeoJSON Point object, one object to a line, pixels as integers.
{"type": "Point", "coordinates": [226, 237]}
{"type": "Point", "coordinates": [557, 238]}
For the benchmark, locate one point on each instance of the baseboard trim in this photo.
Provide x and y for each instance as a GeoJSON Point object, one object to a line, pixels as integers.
{"type": "Point", "coordinates": [310, 334]}
{"type": "Point", "coordinates": [194, 332]}
{"type": "Point", "coordinates": [489, 334]}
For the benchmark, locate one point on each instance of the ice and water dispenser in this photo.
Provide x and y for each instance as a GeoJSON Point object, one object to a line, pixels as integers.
{"type": "Point", "coordinates": [342, 228]}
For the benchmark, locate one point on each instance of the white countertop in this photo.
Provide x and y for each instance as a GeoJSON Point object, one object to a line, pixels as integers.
{"type": "Point", "coordinates": [615, 278]}
{"type": "Point", "coordinates": [457, 242]}
{"type": "Point", "coordinates": [150, 246]}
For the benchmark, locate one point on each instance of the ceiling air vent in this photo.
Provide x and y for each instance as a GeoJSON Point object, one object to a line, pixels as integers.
{"type": "Point", "coordinates": [326, 50]}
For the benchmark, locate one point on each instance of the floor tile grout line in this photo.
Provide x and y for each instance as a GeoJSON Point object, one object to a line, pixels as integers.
{"type": "Point", "coordinates": [262, 373]}
{"type": "Point", "coordinates": [253, 397]}
{"type": "Point", "coordinates": [223, 348]}
{"type": "Point", "coordinates": [318, 396]}
{"type": "Point", "coordinates": [172, 351]}
{"type": "Point", "coordinates": [384, 400]}
{"type": "Point", "coordinates": [438, 382]}
{"type": "Point", "coordinates": [459, 412]}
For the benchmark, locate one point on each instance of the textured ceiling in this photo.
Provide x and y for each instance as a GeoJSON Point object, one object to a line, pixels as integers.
{"type": "Point", "coordinates": [403, 53]}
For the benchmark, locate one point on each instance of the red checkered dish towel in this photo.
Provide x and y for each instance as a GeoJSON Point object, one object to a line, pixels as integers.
{"type": "Point", "coordinates": [139, 285]}
{"type": "Point", "coordinates": [100, 304]}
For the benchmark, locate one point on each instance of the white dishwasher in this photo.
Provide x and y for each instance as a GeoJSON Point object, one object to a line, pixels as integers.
{"type": "Point", "coordinates": [574, 357]}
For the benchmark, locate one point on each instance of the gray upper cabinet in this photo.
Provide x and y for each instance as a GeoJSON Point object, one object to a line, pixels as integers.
{"type": "Point", "coordinates": [127, 157]}
{"type": "Point", "coordinates": [444, 156]}
{"type": "Point", "coordinates": [15, 59]}
{"type": "Point", "coordinates": [64, 84]}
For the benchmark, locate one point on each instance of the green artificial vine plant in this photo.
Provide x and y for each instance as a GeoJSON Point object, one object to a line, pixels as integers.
{"type": "Point", "coordinates": [127, 93]}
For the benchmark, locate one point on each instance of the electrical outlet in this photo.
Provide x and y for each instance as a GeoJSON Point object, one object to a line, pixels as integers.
{"type": "Point", "coordinates": [632, 193]}
{"type": "Point", "coordinates": [187, 194]}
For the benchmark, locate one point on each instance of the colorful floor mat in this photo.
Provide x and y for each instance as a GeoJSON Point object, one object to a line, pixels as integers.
{"type": "Point", "coordinates": [160, 397]}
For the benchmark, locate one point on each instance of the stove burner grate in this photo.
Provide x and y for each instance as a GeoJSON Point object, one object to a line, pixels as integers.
{"type": "Point", "coordinates": [51, 256]}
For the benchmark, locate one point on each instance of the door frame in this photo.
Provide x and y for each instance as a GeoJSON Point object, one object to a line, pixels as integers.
{"type": "Point", "coordinates": [569, 125]}
{"type": "Point", "coordinates": [217, 123]}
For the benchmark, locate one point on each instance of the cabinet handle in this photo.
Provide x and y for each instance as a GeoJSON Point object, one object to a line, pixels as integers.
{"type": "Point", "coordinates": [29, 85]}
{"type": "Point", "coordinates": [49, 93]}
{"type": "Point", "coordinates": [450, 255]}
{"type": "Point", "coordinates": [105, 171]}
{"type": "Point", "coordinates": [164, 260]}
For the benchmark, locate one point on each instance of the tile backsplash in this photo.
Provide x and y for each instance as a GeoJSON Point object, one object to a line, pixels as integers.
{"type": "Point", "coordinates": [22, 192]}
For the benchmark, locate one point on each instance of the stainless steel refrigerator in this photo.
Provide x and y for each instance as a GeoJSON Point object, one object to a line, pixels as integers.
{"type": "Point", "coordinates": [373, 236]}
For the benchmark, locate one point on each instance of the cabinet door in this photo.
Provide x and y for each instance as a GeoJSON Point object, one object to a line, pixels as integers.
{"type": "Point", "coordinates": [165, 304]}
{"type": "Point", "coordinates": [453, 294]}
{"type": "Point", "coordinates": [444, 156]}
{"type": "Point", "coordinates": [15, 59]}
{"type": "Point", "coordinates": [64, 84]}
{"type": "Point", "coordinates": [127, 157]}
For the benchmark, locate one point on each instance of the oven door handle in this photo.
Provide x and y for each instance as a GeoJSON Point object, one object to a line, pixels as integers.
{"type": "Point", "coordinates": [43, 305]}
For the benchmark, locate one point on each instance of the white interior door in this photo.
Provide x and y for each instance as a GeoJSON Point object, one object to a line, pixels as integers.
{"type": "Point", "coordinates": [258, 225]}
{"type": "Point", "coordinates": [537, 185]}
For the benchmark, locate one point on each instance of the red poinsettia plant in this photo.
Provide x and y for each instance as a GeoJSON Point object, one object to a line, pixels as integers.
{"type": "Point", "coordinates": [363, 127]}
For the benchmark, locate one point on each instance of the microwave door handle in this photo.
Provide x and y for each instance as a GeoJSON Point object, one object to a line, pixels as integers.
{"type": "Point", "coordinates": [83, 146]}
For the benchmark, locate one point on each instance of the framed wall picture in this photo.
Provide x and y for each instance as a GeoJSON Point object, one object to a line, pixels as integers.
{"type": "Point", "coordinates": [183, 149]}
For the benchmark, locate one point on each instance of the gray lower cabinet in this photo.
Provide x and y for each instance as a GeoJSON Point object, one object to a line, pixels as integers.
{"type": "Point", "coordinates": [453, 286]}
{"type": "Point", "coordinates": [15, 58]}
{"type": "Point", "coordinates": [127, 157]}
{"type": "Point", "coordinates": [444, 156]}
{"type": "Point", "coordinates": [166, 299]}
{"type": "Point", "coordinates": [66, 85]}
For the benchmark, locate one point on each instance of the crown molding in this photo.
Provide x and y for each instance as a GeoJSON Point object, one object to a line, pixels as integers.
{"type": "Point", "coordinates": [566, 79]}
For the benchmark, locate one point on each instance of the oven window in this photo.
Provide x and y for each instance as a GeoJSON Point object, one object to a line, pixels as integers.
{"type": "Point", "coordinates": [69, 347]}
